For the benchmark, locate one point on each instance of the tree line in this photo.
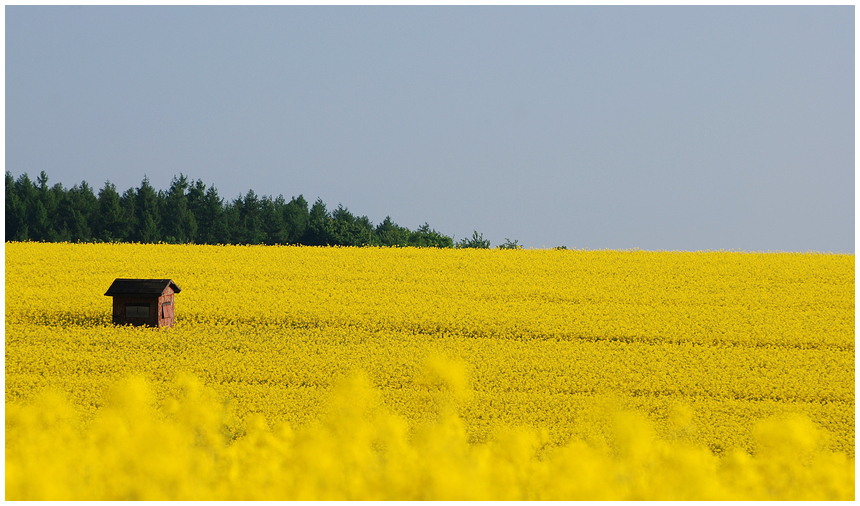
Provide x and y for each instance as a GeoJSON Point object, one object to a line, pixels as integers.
{"type": "Point", "coordinates": [190, 212]}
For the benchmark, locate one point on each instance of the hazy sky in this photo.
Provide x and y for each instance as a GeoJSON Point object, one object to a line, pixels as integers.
{"type": "Point", "coordinates": [660, 128]}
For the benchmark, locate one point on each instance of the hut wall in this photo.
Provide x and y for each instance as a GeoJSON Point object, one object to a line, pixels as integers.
{"type": "Point", "coordinates": [119, 310]}
{"type": "Point", "coordinates": [166, 312]}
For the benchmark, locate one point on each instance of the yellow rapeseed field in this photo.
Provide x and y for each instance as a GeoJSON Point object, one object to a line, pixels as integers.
{"type": "Point", "coordinates": [373, 373]}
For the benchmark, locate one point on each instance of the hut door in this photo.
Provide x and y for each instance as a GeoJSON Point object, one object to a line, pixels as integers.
{"type": "Point", "coordinates": [167, 311]}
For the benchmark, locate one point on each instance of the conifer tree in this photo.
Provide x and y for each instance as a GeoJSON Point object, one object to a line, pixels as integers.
{"type": "Point", "coordinates": [389, 233]}
{"type": "Point", "coordinates": [296, 219]}
{"type": "Point", "coordinates": [178, 222]}
{"type": "Point", "coordinates": [318, 231]}
{"type": "Point", "coordinates": [16, 212]}
{"type": "Point", "coordinates": [146, 213]}
{"type": "Point", "coordinates": [109, 225]}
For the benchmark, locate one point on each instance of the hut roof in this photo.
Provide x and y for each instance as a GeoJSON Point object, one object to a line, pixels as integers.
{"type": "Point", "coordinates": [144, 287]}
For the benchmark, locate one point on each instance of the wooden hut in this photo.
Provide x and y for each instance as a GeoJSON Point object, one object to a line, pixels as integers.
{"type": "Point", "coordinates": [143, 301]}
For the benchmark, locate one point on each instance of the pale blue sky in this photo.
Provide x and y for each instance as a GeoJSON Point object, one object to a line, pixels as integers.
{"type": "Point", "coordinates": [660, 128]}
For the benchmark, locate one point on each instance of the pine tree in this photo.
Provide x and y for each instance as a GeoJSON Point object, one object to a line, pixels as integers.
{"type": "Point", "coordinates": [16, 212]}
{"type": "Point", "coordinates": [425, 237]}
{"type": "Point", "coordinates": [195, 195]}
{"type": "Point", "coordinates": [212, 221]}
{"type": "Point", "coordinates": [272, 217]}
{"type": "Point", "coordinates": [318, 232]}
{"type": "Point", "coordinates": [27, 195]}
{"type": "Point", "coordinates": [46, 220]}
{"type": "Point", "coordinates": [128, 205]}
{"type": "Point", "coordinates": [250, 229]}
{"type": "Point", "coordinates": [296, 218]}
{"type": "Point", "coordinates": [147, 229]}
{"type": "Point", "coordinates": [78, 209]}
{"type": "Point", "coordinates": [178, 222]}
{"type": "Point", "coordinates": [109, 225]}
{"type": "Point", "coordinates": [389, 233]}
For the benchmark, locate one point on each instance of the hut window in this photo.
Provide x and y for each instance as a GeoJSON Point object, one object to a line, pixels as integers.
{"type": "Point", "coordinates": [165, 303]}
{"type": "Point", "coordinates": [137, 311]}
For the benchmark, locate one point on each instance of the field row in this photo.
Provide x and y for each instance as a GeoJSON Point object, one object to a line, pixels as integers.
{"type": "Point", "coordinates": [540, 383]}
{"type": "Point", "coordinates": [705, 298]}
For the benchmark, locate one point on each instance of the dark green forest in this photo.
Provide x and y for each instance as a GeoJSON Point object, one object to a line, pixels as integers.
{"type": "Point", "coordinates": [189, 212]}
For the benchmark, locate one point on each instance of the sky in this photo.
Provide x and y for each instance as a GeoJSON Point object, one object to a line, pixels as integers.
{"type": "Point", "coordinates": [608, 127]}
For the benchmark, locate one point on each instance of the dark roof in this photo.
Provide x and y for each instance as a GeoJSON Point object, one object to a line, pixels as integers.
{"type": "Point", "coordinates": [154, 287]}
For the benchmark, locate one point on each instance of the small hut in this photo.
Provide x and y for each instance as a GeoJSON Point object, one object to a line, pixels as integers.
{"type": "Point", "coordinates": [143, 301]}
